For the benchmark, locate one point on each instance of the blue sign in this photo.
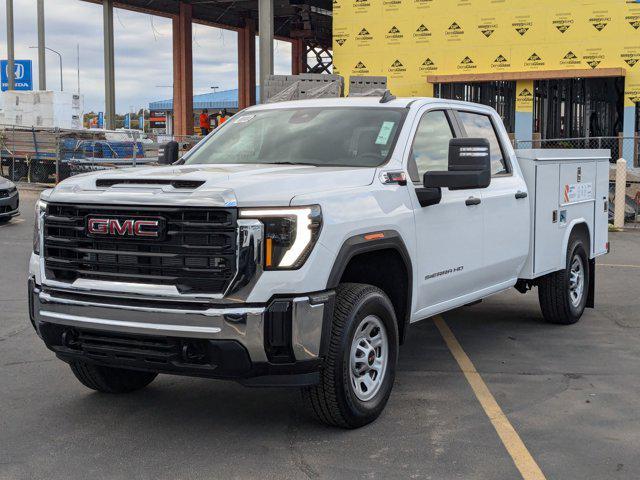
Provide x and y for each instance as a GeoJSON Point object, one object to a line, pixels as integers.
{"type": "Point", "coordinates": [22, 80]}
{"type": "Point", "coordinates": [100, 119]}
{"type": "Point", "coordinates": [141, 122]}
{"type": "Point", "coordinates": [127, 120]}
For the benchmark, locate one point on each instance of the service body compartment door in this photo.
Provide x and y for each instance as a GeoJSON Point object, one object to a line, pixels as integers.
{"type": "Point", "coordinates": [547, 235]}
{"type": "Point", "coordinates": [601, 209]}
{"type": "Point", "coordinates": [577, 194]}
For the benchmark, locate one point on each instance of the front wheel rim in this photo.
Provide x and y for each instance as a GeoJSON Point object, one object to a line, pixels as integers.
{"type": "Point", "coordinates": [369, 357]}
{"type": "Point", "coordinates": [576, 280]}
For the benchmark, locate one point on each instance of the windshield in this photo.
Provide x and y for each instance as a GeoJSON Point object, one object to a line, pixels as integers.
{"type": "Point", "coordinates": [350, 137]}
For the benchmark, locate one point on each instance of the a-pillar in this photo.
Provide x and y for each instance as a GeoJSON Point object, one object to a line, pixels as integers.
{"type": "Point", "coordinates": [183, 72]}
{"type": "Point", "coordinates": [524, 111]}
{"type": "Point", "coordinates": [298, 61]}
{"type": "Point", "coordinates": [247, 65]}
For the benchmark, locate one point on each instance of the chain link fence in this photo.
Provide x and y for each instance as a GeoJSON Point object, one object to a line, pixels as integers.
{"type": "Point", "coordinates": [48, 156]}
{"type": "Point", "coordinates": [621, 147]}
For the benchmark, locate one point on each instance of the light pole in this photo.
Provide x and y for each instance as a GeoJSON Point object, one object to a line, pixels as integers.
{"type": "Point", "coordinates": [60, 57]}
{"type": "Point", "coordinates": [11, 72]}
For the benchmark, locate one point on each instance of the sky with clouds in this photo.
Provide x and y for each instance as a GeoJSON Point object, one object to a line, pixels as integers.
{"type": "Point", "coordinates": [143, 52]}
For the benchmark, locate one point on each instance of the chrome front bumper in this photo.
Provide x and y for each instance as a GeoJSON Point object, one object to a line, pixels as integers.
{"type": "Point", "coordinates": [308, 317]}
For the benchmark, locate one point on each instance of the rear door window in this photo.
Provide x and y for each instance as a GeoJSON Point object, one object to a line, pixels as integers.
{"type": "Point", "coordinates": [478, 125]}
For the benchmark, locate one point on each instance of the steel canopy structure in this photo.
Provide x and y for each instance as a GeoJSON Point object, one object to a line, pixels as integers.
{"type": "Point", "coordinates": [306, 24]}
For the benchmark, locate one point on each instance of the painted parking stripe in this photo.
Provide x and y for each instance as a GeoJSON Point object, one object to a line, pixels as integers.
{"type": "Point", "coordinates": [516, 448]}
{"type": "Point", "coordinates": [617, 266]}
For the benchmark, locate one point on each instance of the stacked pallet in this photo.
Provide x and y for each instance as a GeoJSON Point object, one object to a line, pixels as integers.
{"type": "Point", "coordinates": [280, 88]}
{"type": "Point", "coordinates": [367, 86]}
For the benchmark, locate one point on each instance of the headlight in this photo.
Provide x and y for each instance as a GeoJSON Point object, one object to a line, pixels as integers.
{"type": "Point", "coordinates": [41, 208]}
{"type": "Point", "coordinates": [289, 234]}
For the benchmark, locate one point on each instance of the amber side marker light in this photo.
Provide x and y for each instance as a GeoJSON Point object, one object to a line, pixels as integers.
{"type": "Point", "coordinates": [269, 249]}
{"type": "Point", "coordinates": [374, 236]}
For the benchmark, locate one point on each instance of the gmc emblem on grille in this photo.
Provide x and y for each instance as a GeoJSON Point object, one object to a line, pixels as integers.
{"type": "Point", "coordinates": [123, 227]}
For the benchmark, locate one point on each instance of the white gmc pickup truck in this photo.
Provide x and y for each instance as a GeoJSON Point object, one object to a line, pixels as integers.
{"type": "Point", "coordinates": [298, 242]}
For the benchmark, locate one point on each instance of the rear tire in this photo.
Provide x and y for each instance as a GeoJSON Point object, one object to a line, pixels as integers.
{"type": "Point", "coordinates": [563, 294]}
{"type": "Point", "coordinates": [110, 380]}
{"type": "Point", "coordinates": [358, 372]}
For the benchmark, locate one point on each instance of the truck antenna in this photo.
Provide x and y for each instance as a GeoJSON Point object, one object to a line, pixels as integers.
{"type": "Point", "coordinates": [387, 96]}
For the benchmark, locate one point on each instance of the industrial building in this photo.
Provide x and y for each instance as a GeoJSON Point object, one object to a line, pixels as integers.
{"type": "Point", "coordinates": [558, 69]}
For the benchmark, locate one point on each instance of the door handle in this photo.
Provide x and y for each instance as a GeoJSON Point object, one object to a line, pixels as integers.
{"type": "Point", "coordinates": [520, 195]}
{"type": "Point", "coordinates": [472, 201]}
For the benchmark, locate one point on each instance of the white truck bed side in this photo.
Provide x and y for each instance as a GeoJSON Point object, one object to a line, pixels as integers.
{"type": "Point", "coordinates": [566, 187]}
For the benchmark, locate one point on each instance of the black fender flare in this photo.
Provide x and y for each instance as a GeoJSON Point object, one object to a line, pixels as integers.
{"type": "Point", "coordinates": [370, 242]}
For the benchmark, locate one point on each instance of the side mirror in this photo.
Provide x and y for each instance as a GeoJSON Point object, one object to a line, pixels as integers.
{"type": "Point", "coordinates": [169, 153]}
{"type": "Point", "coordinates": [469, 166]}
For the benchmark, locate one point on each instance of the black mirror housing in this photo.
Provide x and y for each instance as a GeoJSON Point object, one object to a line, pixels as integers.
{"type": "Point", "coordinates": [169, 154]}
{"type": "Point", "coordinates": [469, 166]}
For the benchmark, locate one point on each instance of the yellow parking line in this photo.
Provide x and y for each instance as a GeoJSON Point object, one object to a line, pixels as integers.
{"type": "Point", "coordinates": [619, 266]}
{"type": "Point", "coordinates": [523, 460]}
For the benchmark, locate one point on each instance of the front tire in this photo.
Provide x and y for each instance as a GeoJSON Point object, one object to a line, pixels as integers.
{"type": "Point", "coordinates": [359, 370]}
{"type": "Point", "coordinates": [563, 294]}
{"type": "Point", "coordinates": [109, 379]}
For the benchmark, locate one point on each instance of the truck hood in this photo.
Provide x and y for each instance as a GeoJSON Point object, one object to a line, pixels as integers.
{"type": "Point", "coordinates": [208, 185]}
{"type": "Point", "coordinates": [4, 183]}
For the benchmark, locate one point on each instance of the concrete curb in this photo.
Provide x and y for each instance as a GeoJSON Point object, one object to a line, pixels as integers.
{"type": "Point", "coordinates": [32, 187]}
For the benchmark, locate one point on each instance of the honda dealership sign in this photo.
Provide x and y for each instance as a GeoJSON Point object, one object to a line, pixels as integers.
{"type": "Point", "coordinates": [23, 79]}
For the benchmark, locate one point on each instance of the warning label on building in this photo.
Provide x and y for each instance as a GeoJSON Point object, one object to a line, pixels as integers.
{"type": "Point", "coordinates": [455, 32]}
{"type": "Point", "coordinates": [524, 98]}
{"type": "Point", "coordinates": [422, 34]}
{"type": "Point", "coordinates": [522, 25]}
{"type": "Point", "coordinates": [594, 57]}
{"type": "Point", "coordinates": [600, 20]}
{"type": "Point", "coordinates": [394, 35]}
{"type": "Point", "coordinates": [397, 69]}
{"type": "Point", "coordinates": [467, 64]}
{"type": "Point", "coordinates": [487, 26]}
{"type": "Point", "coordinates": [562, 22]}
{"type": "Point", "coordinates": [391, 5]}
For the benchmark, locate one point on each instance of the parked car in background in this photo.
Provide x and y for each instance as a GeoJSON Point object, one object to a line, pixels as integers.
{"type": "Point", "coordinates": [9, 200]}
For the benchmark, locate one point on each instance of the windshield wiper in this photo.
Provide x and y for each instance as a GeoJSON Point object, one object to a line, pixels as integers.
{"type": "Point", "coordinates": [292, 163]}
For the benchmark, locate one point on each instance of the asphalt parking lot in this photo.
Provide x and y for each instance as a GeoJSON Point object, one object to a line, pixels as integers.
{"type": "Point", "coordinates": [571, 394]}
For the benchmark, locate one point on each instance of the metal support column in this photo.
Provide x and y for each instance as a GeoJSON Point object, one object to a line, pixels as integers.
{"type": "Point", "coordinates": [109, 66]}
{"type": "Point", "coordinates": [247, 65]}
{"type": "Point", "coordinates": [298, 51]}
{"type": "Point", "coordinates": [265, 26]}
{"type": "Point", "coordinates": [10, 47]}
{"type": "Point", "coordinates": [42, 65]}
{"type": "Point", "coordinates": [183, 71]}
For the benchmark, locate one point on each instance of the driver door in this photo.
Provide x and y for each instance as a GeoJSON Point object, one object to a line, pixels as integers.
{"type": "Point", "coordinates": [450, 234]}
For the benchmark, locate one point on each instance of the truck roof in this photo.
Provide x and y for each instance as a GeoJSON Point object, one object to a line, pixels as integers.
{"type": "Point", "coordinates": [400, 102]}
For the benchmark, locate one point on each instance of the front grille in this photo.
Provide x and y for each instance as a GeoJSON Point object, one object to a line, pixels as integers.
{"type": "Point", "coordinates": [158, 350]}
{"type": "Point", "coordinates": [196, 254]}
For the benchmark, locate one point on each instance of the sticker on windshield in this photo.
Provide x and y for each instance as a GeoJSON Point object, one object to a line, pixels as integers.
{"type": "Point", "coordinates": [385, 133]}
{"type": "Point", "coordinates": [244, 118]}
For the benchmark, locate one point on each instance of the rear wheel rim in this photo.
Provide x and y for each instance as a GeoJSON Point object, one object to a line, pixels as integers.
{"type": "Point", "coordinates": [576, 280]}
{"type": "Point", "coordinates": [369, 357]}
